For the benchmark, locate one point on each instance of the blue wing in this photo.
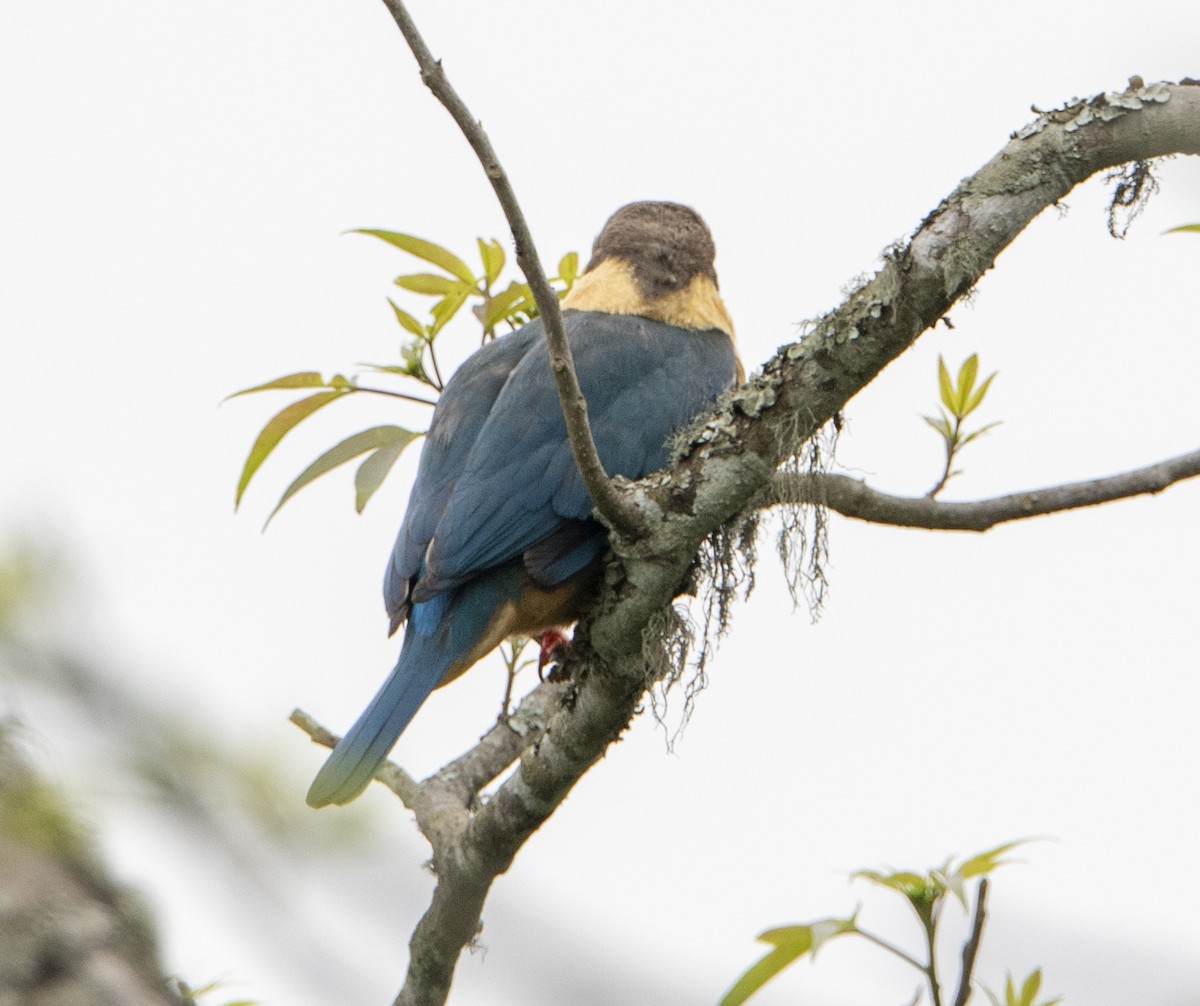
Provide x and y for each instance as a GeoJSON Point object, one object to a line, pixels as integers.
{"type": "Point", "coordinates": [498, 536]}
{"type": "Point", "coordinates": [643, 380]}
{"type": "Point", "coordinates": [461, 412]}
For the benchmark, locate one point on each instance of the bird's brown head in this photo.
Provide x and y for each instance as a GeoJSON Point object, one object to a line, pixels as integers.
{"type": "Point", "coordinates": [654, 259]}
{"type": "Point", "coordinates": [666, 244]}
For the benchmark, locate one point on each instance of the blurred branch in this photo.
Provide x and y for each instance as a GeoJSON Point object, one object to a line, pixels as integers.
{"type": "Point", "coordinates": [612, 506]}
{"type": "Point", "coordinates": [854, 498]}
{"type": "Point", "coordinates": [68, 931]}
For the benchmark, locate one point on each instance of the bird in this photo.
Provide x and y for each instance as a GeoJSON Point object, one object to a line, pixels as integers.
{"type": "Point", "coordinates": [499, 538]}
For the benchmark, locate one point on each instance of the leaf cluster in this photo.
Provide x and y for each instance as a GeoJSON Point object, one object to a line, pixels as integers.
{"type": "Point", "coordinates": [959, 398]}
{"type": "Point", "coordinates": [926, 894]}
{"type": "Point", "coordinates": [452, 285]}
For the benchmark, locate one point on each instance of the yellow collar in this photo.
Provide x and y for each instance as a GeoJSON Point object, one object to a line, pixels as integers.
{"type": "Point", "coordinates": [610, 287]}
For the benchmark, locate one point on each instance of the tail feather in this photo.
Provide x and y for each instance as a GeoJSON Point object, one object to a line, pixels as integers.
{"type": "Point", "coordinates": [358, 755]}
{"type": "Point", "coordinates": [441, 632]}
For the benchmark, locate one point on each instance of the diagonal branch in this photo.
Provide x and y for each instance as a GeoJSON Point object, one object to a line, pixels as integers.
{"type": "Point", "coordinates": [609, 502]}
{"type": "Point", "coordinates": [854, 498]}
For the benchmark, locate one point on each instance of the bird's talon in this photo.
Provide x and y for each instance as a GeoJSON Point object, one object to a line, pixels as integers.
{"type": "Point", "coordinates": [552, 642]}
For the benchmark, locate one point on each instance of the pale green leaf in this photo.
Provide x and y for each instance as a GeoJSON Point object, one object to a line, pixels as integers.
{"type": "Point", "coordinates": [492, 256]}
{"type": "Point", "coordinates": [980, 432]}
{"type": "Point", "coordinates": [905, 881]}
{"type": "Point", "coordinates": [1029, 990]}
{"type": "Point", "coordinates": [984, 863]}
{"type": "Point", "coordinates": [305, 379]}
{"type": "Point", "coordinates": [1184, 229]}
{"type": "Point", "coordinates": [945, 386]}
{"type": "Point", "coordinates": [276, 429]}
{"type": "Point", "coordinates": [435, 254]}
{"type": "Point", "coordinates": [448, 306]}
{"type": "Point", "coordinates": [942, 425]}
{"type": "Point", "coordinates": [966, 382]}
{"type": "Point", "coordinates": [380, 368]}
{"type": "Point", "coordinates": [975, 400]}
{"type": "Point", "coordinates": [407, 321]}
{"type": "Point", "coordinates": [790, 944]}
{"type": "Point", "coordinates": [568, 268]}
{"type": "Point", "coordinates": [350, 448]}
{"type": "Point", "coordinates": [505, 304]}
{"type": "Point", "coordinates": [426, 283]}
{"type": "Point", "coordinates": [374, 469]}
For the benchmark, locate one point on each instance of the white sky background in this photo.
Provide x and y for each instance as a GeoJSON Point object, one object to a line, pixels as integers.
{"type": "Point", "coordinates": [174, 184]}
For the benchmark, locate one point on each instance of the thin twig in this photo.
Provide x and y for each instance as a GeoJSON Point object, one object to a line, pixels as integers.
{"type": "Point", "coordinates": [397, 394]}
{"type": "Point", "coordinates": [971, 947]}
{"type": "Point", "coordinates": [853, 498]}
{"type": "Point", "coordinates": [389, 773]}
{"type": "Point", "coordinates": [892, 949]}
{"type": "Point", "coordinates": [609, 503]}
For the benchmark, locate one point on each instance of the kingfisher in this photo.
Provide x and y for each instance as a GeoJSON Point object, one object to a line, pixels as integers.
{"type": "Point", "coordinates": [499, 538]}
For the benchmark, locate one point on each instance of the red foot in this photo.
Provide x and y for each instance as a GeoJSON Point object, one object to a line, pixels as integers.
{"type": "Point", "coordinates": [553, 642]}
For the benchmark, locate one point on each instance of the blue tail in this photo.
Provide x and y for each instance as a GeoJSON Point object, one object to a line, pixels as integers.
{"type": "Point", "coordinates": [439, 634]}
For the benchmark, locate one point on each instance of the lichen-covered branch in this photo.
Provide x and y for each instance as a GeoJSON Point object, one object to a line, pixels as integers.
{"type": "Point", "coordinates": [609, 503]}
{"type": "Point", "coordinates": [854, 498]}
{"type": "Point", "coordinates": [732, 457]}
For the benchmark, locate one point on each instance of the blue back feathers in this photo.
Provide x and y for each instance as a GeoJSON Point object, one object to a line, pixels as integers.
{"type": "Point", "coordinates": [498, 507]}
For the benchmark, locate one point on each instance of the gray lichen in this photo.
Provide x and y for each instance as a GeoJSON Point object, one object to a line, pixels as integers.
{"type": "Point", "coordinates": [1103, 108]}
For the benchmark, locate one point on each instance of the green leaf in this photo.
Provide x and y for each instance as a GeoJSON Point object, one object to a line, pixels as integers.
{"type": "Point", "coordinates": [975, 400]}
{"type": "Point", "coordinates": [790, 944]}
{"type": "Point", "coordinates": [374, 470]}
{"type": "Point", "coordinates": [448, 306]}
{"type": "Point", "coordinates": [380, 368]}
{"type": "Point", "coordinates": [414, 364]}
{"type": "Point", "coordinates": [492, 256]}
{"type": "Point", "coordinates": [426, 283]}
{"type": "Point", "coordinates": [275, 430]}
{"type": "Point", "coordinates": [505, 304]}
{"type": "Point", "coordinates": [1184, 229]}
{"type": "Point", "coordinates": [980, 432]}
{"type": "Point", "coordinates": [568, 269]}
{"type": "Point", "coordinates": [1029, 990]}
{"type": "Point", "coordinates": [966, 381]}
{"type": "Point", "coordinates": [407, 321]}
{"type": "Point", "coordinates": [305, 379]}
{"type": "Point", "coordinates": [942, 425]}
{"type": "Point", "coordinates": [435, 254]}
{"type": "Point", "coordinates": [944, 385]}
{"type": "Point", "coordinates": [911, 885]}
{"type": "Point", "coordinates": [350, 448]}
{"type": "Point", "coordinates": [984, 863]}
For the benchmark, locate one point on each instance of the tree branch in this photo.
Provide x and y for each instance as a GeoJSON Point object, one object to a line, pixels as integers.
{"type": "Point", "coordinates": [732, 456]}
{"type": "Point", "coordinates": [971, 947]}
{"type": "Point", "coordinates": [854, 498]}
{"type": "Point", "coordinates": [609, 502]}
